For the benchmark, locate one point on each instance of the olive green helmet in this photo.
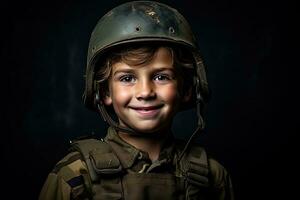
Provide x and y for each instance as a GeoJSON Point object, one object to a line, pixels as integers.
{"type": "Point", "coordinates": [141, 21]}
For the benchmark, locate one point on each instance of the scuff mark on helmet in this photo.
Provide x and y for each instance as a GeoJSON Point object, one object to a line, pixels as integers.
{"type": "Point", "coordinates": [149, 10]}
{"type": "Point", "coordinates": [153, 15]}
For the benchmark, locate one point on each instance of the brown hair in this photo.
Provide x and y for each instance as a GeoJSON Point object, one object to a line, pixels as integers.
{"type": "Point", "coordinates": [139, 55]}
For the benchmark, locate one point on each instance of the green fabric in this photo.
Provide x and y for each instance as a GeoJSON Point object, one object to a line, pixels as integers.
{"type": "Point", "coordinates": [140, 178]}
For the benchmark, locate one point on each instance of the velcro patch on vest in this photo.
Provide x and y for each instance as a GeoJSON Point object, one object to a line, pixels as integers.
{"type": "Point", "coordinates": [105, 163]}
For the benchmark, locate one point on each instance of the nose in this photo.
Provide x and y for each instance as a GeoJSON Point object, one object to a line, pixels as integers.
{"type": "Point", "coordinates": [145, 90]}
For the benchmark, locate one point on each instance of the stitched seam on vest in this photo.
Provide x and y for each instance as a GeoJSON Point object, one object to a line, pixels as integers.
{"type": "Point", "coordinates": [69, 161]}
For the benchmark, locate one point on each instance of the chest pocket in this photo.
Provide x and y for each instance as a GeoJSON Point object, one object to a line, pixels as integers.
{"type": "Point", "coordinates": [151, 186]}
{"type": "Point", "coordinates": [109, 181]}
{"type": "Point", "coordinates": [105, 170]}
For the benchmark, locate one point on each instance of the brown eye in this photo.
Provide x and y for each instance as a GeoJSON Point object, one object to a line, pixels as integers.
{"type": "Point", "coordinates": [161, 77]}
{"type": "Point", "coordinates": [127, 78]}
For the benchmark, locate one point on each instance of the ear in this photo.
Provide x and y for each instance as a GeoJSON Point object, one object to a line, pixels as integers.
{"type": "Point", "coordinates": [187, 95]}
{"type": "Point", "coordinates": [106, 98]}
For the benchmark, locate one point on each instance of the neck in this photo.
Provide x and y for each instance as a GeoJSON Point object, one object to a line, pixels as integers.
{"type": "Point", "coordinates": [151, 145]}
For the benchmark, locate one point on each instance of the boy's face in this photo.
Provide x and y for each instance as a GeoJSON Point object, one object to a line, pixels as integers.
{"type": "Point", "coordinates": [145, 98]}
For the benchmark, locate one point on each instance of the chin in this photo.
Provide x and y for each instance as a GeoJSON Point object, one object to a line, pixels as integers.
{"type": "Point", "coordinates": [149, 129]}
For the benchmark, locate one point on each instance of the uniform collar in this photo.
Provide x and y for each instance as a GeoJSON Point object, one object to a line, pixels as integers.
{"type": "Point", "coordinates": [127, 153]}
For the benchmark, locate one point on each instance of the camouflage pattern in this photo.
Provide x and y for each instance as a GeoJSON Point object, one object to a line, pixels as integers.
{"type": "Point", "coordinates": [115, 169]}
{"type": "Point", "coordinates": [70, 178]}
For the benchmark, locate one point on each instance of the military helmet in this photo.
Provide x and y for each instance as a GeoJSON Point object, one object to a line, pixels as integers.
{"type": "Point", "coordinates": [141, 21]}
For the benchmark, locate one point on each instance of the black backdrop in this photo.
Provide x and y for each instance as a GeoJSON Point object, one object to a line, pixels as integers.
{"type": "Point", "coordinates": [245, 46]}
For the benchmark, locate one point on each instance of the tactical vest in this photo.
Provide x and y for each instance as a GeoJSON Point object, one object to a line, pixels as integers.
{"type": "Point", "coordinates": [110, 181]}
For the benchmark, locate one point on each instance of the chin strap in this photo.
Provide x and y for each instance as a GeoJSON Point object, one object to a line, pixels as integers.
{"type": "Point", "coordinates": [201, 86]}
{"type": "Point", "coordinates": [111, 122]}
{"type": "Point", "coordinates": [199, 129]}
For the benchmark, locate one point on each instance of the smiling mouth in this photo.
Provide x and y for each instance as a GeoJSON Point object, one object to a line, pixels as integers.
{"type": "Point", "coordinates": [147, 111]}
{"type": "Point", "coordinates": [146, 108]}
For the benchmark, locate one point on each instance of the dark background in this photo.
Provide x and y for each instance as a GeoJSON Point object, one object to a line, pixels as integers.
{"type": "Point", "coordinates": [247, 48]}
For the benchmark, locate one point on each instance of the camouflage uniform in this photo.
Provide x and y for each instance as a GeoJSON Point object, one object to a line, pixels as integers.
{"type": "Point", "coordinates": [70, 178]}
{"type": "Point", "coordinates": [113, 169]}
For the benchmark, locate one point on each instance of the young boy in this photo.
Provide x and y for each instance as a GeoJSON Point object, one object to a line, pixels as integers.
{"type": "Point", "coordinates": [143, 67]}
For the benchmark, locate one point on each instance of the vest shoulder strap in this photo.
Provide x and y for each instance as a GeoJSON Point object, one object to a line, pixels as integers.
{"type": "Point", "coordinates": [194, 166]}
{"type": "Point", "coordinates": [98, 156]}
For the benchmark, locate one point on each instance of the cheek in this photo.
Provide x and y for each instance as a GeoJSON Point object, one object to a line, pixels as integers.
{"type": "Point", "coordinates": [169, 93]}
{"type": "Point", "coordinates": [120, 95]}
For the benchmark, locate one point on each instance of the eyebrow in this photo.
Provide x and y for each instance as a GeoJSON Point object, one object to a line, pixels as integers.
{"type": "Point", "coordinates": [123, 71]}
{"type": "Point", "coordinates": [130, 70]}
